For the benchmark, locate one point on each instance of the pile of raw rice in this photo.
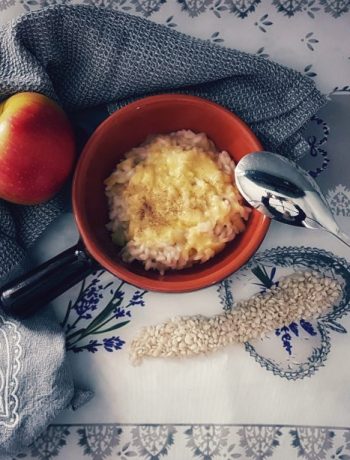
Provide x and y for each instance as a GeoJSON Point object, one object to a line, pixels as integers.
{"type": "Point", "coordinates": [302, 295]}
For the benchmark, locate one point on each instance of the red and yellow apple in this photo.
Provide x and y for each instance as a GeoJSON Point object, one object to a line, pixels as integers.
{"type": "Point", "coordinates": [37, 148]}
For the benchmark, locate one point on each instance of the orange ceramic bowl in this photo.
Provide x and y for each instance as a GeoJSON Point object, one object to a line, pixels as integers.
{"type": "Point", "coordinates": [129, 127]}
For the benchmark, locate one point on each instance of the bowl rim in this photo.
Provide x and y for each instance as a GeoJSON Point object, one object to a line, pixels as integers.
{"type": "Point", "coordinates": [160, 285]}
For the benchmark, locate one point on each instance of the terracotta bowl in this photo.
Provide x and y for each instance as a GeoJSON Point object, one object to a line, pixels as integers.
{"type": "Point", "coordinates": [127, 128]}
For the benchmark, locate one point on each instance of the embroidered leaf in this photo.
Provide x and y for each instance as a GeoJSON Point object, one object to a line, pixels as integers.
{"type": "Point", "coordinates": [112, 305]}
{"type": "Point", "coordinates": [307, 327]}
{"type": "Point", "coordinates": [294, 328]}
{"type": "Point", "coordinates": [112, 328]}
{"type": "Point", "coordinates": [344, 457]}
{"type": "Point", "coordinates": [334, 326]}
{"type": "Point", "coordinates": [126, 447]}
{"type": "Point", "coordinates": [307, 68]}
{"type": "Point", "coordinates": [260, 272]}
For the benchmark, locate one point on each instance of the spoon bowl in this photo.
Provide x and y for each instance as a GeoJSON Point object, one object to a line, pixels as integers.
{"type": "Point", "coordinates": [282, 190]}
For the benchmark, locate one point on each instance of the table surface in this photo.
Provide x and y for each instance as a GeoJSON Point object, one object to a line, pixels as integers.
{"type": "Point", "coordinates": [284, 396]}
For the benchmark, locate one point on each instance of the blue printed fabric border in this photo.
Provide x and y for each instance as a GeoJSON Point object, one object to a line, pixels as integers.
{"type": "Point", "coordinates": [201, 442]}
{"type": "Point", "coordinates": [240, 9]}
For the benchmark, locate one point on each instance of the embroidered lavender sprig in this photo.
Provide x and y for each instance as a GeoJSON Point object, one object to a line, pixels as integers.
{"type": "Point", "coordinates": [113, 316]}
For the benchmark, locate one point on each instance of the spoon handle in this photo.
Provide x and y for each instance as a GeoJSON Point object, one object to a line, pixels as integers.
{"type": "Point", "coordinates": [343, 237]}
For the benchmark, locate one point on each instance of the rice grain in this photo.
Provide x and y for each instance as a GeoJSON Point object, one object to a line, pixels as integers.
{"type": "Point", "coordinates": [302, 295]}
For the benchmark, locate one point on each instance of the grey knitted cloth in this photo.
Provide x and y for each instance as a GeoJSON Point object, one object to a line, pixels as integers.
{"type": "Point", "coordinates": [85, 56]}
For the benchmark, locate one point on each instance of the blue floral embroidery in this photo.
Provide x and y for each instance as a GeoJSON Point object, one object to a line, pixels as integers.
{"type": "Point", "coordinates": [307, 343]}
{"type": "Point", "coordinates": [261, 53]}
{"type": "Point", "coordinates": [308, 72]}
{"type": "Point", "coordinates": [242, 8]}
{"type": "Point", "coordinates": [153, 441]}
{"type": "Point", "coordinates": [170, 22]}
{"type": "Point", "coordinates": [111, 344]}
{"type": "Point", "coordinates": [99, 440]}
{"type": "Point", "coordinates": [29, 4]}
{"type": "Point", "coordinates": [312, 443]}
{"type": "Point", "coordinates": [111, 4]}
{"type": "Point", "coordinates": [206, 441]}
{"type": "Point", "coordinates": [344, 89]}
{"type": "Point", "coordinates": [311, 8]}
{"type": "Point", "coordinates": [50, 443]}
{"type": "Point", "coordinates": [289, 7]}
{"type": "Point", "coordinates": [339, 200]}
{"type": "Point", "coordinates": [285, 332]}
{"type": "Point", "coordinates": [336, 7]}
{"type": "Point", "coordinates": [125, 453]}
{"type": "Point", "coordinates": [215, 38]}
{"type": "Point", "coordinates": [266, 280]}
{"type": "Point", "coordinates": [147, 7]}
{"type": "Point", "coordinates": [88, 302]}
{"type": "Point", "coordinates": [194, 7]}
{"type": "Point", "coordinates": [115, 314]}
{"type": "Point", "coordinates": [317, 143]}
{"type": "Point", "coordinates": [219, 7]}
{"type": "Point", "coordinates": [310, 41]}
{"type": "Point", "coordinates": [259, 442]}
{"type": "Point", "coordinates": [263, 23]}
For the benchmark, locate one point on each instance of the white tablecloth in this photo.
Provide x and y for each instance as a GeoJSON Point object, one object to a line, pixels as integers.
{"type": "Point", "coordinates": [286, 396]}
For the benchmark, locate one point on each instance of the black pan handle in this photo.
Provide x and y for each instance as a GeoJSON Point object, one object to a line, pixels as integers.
{"type": "Point", "coordinates": [25, 295]}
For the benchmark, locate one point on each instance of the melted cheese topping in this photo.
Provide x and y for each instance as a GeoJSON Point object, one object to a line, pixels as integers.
{"type": "Point", "coordinates": [175, 196]}
{"type": "Point", "coordinates": [173, 202]}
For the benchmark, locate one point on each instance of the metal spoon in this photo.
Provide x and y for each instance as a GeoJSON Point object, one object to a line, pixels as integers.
{"type": "Point", "coordinates": [281, 190]}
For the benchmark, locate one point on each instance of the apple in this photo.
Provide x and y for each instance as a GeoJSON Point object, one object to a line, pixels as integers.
{"type": "Point", "coordinates": [37, 148]}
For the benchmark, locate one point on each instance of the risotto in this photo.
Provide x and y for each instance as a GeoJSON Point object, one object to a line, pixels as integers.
{"type": "Point", "coordinates": [173, 202]}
